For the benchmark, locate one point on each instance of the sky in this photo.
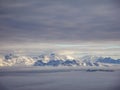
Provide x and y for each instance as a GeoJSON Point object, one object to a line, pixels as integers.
{"type": "Point", "coordinates": [79, 27]}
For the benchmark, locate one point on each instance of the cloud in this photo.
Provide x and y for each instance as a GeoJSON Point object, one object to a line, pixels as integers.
{"type": "Point", "coordinates": [61, 25]}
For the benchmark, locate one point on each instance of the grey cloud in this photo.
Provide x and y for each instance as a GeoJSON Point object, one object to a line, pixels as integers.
{"type": "Point", "coordinates": [55, 20]}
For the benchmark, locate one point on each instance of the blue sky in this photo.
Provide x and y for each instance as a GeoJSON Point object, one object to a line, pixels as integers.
{"type": "Point", "coordinates": [84, 26]}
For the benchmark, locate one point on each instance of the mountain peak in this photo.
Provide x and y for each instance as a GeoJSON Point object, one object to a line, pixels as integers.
{"type": "Point", "coordinates": [53, 59]}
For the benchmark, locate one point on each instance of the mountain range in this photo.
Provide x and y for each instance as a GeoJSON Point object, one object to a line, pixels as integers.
{"type": "Point", "coordinates": [53, 59]}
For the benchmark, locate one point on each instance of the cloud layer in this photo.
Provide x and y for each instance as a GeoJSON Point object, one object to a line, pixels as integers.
{"type": "Point", "coordinates": [43, 23]}
{"type": "Point", "coordinates": [55, 20]}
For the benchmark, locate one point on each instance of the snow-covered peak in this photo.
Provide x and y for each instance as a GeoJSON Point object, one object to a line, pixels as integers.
{"type": "Point", "coordinates": [53, 59]}
{"type": "Point", "coordinates": [53, 56]}
{"type": "Point", "coordinates": [13, 60]}
{"type": "Point", "coordinates": [23, 60]}
{"type": "Point", "coordinates": [89, 58]}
